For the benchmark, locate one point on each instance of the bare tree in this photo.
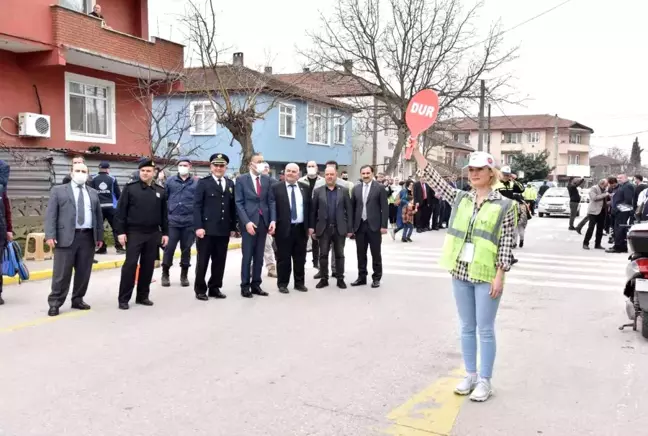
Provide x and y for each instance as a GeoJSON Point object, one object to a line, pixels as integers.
{"type": "Point", "coordinates": [408, 45]}
{"type": "Point", "coordinates": [621, 156]}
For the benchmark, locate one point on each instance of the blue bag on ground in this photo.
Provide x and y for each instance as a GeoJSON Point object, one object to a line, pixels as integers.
{"type": "Point", "coordinates": [13, 263]}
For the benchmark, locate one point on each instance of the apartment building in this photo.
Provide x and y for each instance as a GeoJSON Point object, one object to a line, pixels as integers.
{"type": "Point", "coordinates": [530, 134]}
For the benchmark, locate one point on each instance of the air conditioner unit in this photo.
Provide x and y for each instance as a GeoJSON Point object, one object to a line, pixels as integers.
{"type": "Point", "coordinates": [34, 125]}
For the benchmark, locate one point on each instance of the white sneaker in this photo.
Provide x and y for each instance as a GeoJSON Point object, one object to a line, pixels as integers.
{"type": "Point", "coordinates": [483, 391]}
{"type": "Point", "coordinates": [466, 385]}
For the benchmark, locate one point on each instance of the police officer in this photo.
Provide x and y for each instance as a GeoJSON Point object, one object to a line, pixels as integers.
{"type": "Point", "coordinates": [141, 223]}
{"type": "Point", "coordinates": [108, 190]}
{"type": "Point", "coordinates": [214, 213]}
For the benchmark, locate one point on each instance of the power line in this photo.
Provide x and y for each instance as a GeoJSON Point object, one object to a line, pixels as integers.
{"type": "Point", "coordinates": [620, 135]}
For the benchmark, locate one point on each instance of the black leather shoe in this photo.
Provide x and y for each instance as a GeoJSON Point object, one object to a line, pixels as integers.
{"type": "Point", "coordinates": [216, 293]}
{"type": "Point", "coordinates": [53, 311]}
{"type": "Point", "coordinates": [202, 297]}
{"type": "Point", "coordinates": [81, 305]}
{"type": "Point", "coordinates": [359, 282]}
{"type": "Point", "coordinates": [283, 290]}
{"type": "Point", "coordinates": [301, 288]}
{"type": "Point", "coordinates": [246, 293]}
{"type": "Point", "coordinates": [144, 302]}
{"type": "Point", "coordinates": [322, 284]}
{"type": "Point", "coordinates": [259, 291]}
{"type": "Point", "coordinates": [585, 247]}
{"type": "Point", "coordinates": [599, 247]}
{"type": "Point", "coordinates": [375, 284]}
{"type": "Point", "coordinates": [341, 284]}
{"type": "Point", "coordinates": [318, 275]}
{"type": "Point", "coordinates": [123, 306]}
{"type": "Point", "coordinates": [1, 301]}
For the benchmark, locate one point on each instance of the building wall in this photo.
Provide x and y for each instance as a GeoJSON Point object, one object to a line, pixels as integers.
{"type": "Point", "coordinates": [265, 137]}
{"type": "Point", "coordinates": [17, 94]}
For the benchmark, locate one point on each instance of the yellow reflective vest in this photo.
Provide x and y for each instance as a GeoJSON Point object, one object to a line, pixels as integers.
{"type": "Point", "coordinates": [530, 193]}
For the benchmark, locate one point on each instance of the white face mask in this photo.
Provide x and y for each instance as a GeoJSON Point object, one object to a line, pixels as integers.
{"type": "Point", "coordinates": [311, 171]}
{"type": "Point", "coordinates": [260, 167]}
{"type": "Point", "coordinates": [79, 178]}
{"type": "Point", "coordinates": [183, 171]}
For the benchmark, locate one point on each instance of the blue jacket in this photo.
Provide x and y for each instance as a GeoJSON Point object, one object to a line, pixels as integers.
{"type": "Point", "coordinates": [180, 195]}
{"type": "Point", "coordinates": [248, 203]}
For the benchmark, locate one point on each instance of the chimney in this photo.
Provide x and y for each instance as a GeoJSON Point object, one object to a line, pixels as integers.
{"type": "Point", "coordinates": [348, 66]}
{"type": "Point", "coordinates": [306, 70]}
{"type": "Point", "coordinates": [238, 59]}
{"type": "Point", "coordinates": [267, 70]}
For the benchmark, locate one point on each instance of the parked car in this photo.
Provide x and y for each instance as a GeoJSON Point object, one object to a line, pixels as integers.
{"type": "Point", "coordinates": [584, 193]}
{"type": "Point", "coordinates": [555, 202]}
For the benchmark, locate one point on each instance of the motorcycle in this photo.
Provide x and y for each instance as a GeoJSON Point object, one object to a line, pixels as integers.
{"type": "Point", "coordinates": [636, 288]}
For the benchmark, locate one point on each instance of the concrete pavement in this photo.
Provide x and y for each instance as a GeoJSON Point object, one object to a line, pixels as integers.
{"type": "Point", "coordinates": [328, 362]}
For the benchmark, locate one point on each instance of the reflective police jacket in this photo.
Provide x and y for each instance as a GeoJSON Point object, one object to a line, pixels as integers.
{"type": "Point", "coordinates": [107, 188]}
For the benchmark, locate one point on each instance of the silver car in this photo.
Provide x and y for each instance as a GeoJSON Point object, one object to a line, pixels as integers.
{"type": "Point", "coordinates": [555, 201]}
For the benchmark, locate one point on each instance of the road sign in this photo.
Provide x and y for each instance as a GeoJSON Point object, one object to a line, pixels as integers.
{"type": "Point", "coordinates": [422, 112]}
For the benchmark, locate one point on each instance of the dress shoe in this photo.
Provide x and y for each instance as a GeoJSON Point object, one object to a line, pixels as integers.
{"type": "Point", "coordinates": [81, 305]}
{"type": "Point", "coordinates": [521, 243]}
{"type": "Point", "coordinates": [283, 290]}
{"type": "Point", "coordinates": [318, 275]}
{"type": "Point", "coordinates": [301, 288]}
{"type": "Point", "coordinates": [259, 291]}
{"type": "Point", "coordinates": [514, 261]}
{"type": "Point", "coordinates": [246, 293]}
{"type": "Point", "coordinates": [53, 311]}
{"type": "Point", "coordinates": [375, 284]}
{"type": "Point", "coordinates": [1, 301]}
{"type": "Point", "coordinates": [322, 284]}
{"type": "Point", "coordinates": [334, 275]}
{"type": "Point", "coordinates": [202, 297]}
{"type": "Point", "coordinates": [341, 284]}
{"type": "Point", "coordinates": [359, 282]}
{"type": "Point", "coordinates": [144, 302]}
{"type": "Point", "coordinates": [123, 306]}
{"type": "Point", "coordinates": [599, 247]}
{"type": "Point", "coordinates": [216, 293]}
{"type": "Point", "coordinates": [585, 247]}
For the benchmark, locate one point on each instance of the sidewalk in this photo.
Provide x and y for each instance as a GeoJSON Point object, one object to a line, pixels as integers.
{"type": "Point", "coordinates": [42, 270]}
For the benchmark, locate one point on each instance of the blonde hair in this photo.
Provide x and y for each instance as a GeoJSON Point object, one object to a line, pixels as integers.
{"type": "Point", "coordinates": [495, 176]}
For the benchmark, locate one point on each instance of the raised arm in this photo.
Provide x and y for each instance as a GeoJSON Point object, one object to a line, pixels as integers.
{"type": "Point", "coordinates": [434, 178]}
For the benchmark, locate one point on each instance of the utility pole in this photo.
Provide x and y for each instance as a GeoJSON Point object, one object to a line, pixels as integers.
{"type": "Point", "coordinates": [482, 98]}
{"type": "Point", "coordinates": [555, 138]}
{"type": "Point", "coordinates": [488, 129]}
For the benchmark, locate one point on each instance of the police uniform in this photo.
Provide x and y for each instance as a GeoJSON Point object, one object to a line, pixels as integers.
{"type": "Point", "coordinates": [142, 217]}
{"type": "Point", "coordinates": [215, 213]}
{"type": "Point", "coordinates": [109, 192]}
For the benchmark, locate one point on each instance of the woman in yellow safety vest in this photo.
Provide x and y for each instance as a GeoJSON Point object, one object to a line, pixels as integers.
{"type": "Point", "coordinates": [477, 251]}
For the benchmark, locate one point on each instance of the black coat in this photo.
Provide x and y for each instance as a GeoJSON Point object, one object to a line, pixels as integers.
{"type": "Point", "coordinates": [282, 202]}
{"type": "Point", "coordinates": [377, 207]}
{"type": "Point", "coordinates": [418, 195]}
{"type": "Point", "coordinates": [343, 212]}
{"type": "Point", "coordinates": [214, 210]}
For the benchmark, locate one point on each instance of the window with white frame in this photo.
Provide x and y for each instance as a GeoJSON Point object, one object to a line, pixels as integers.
{"type": "Point", "coordinates": [512, 137]}
{"type": "Point", "coordinates": [339, 129]}
{"type": "Point", "coordinates": [574, 138]}
{"type": "Point", "coordinates": [461, 138]}
{"type": "Point", "coordinates": [533, 137]}
{"type": "Point", "coordinates": [386, 161]}
{"type": "Point", "coordinates": [318, 124]}
{"type": "Point", "coordinates": [449, 158]}
{"type": "Point", "coordinates": [83, 6]}
{"type": "Point", "coordinates": [508, 158]}
{"type": "Point", "coordinates": [287, 120]}
{"type": "Point", "coordinates": [203, 118]}
{"type": "Point", "coordinates": [89, 109]}
{"type": "Point", "coordinates": [574, 159]}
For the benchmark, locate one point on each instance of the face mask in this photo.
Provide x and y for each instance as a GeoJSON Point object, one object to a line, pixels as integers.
{"type": "Point", "coordinates": [183, 171]}
{"type": "Point", "coordinates": [345, 178]}
{"type": "Point", "coordinates": [260, 167]}
{"type": "Point", "coordinates": [79, 178]}
{"type": "Point", "coordinates": [311, 171]}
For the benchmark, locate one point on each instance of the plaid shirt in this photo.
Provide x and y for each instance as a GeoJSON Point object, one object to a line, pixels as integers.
{"type": "Point", "coordinates": [507, 234]}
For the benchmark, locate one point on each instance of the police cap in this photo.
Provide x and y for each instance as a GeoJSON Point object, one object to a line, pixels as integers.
{"type": "Point", "coordinates": [184, 159]}
{"type": "Point", "coordinates": [219, 159]}
{"type": "Point", "coordinates": [146, 162]}
{"type": "Point", "coordinates": [104, 164]}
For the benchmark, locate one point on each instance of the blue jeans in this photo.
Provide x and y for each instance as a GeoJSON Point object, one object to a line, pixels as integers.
{"type": "Point", "coordinates": [407, 233]}
{"type": "Point", "coordinates": [477, 310]}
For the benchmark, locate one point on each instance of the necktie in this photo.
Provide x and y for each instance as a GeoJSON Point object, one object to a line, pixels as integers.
{"type": "Point", "coordinates": [293, 204]}
{"type": "Point", "coordinates": [258, 188]}
{"type": "Point", "coordinates": [80, 207]}
{"type": "Point", "coordinates": [424, 191]}
{"type": "Point", "coordinates": [365, 193]}
{"type": "Point", "coordinates": [220, 183]}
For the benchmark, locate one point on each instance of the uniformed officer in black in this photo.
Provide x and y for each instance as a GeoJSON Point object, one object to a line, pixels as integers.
{"type": "Point", "coordinates": [215, 222]}
{"type": "Point", "coordinates": [109, 192]}
{"type": "Point", "coordinates": [141, 223]}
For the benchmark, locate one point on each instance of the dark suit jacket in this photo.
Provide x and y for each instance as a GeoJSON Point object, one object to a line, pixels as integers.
{"type": "Point", "coordinates": [377, 207]}
{"type": "Point", "coordinates": [60, 218]}
{"type": "Point", "coordinates": [214, 210]}
{"type": "Point", "coordinates": [282, 203]}
{"type": "Point", "coordinates": [418, 194]}
{"type": "Point", "coordinates": [248, 202]}
{"type": "Point", "coordinates": [343, 214]}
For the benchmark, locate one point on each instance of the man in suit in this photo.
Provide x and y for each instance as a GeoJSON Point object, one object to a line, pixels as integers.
{"type": "Point", "coordinates": [370, 215]}
{"type": "Point", "coordinates": [214, 213]}
{"type": "Point", "coordinates": [596, 211]}
{"type": "Point", "coordinates": [293, 202]}
{"type": "Point", "coordinates": [423, 195]}
{"type": "Point", "coordinates": [331, 221]}
{"type": "Point", "coordinates": [74, 225]}
{"type": "Point", "coordinates": [255, 206]}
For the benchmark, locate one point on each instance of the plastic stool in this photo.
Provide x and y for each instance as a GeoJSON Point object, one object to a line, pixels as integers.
{"type": "Point", "coordinates": [39, 253]}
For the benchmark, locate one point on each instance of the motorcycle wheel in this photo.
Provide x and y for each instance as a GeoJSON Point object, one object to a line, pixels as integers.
{"type": "Point", "coordinates": [644, 324]}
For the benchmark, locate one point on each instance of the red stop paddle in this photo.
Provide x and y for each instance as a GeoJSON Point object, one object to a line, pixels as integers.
{"type": "Point", "coordinates": [422, 112]}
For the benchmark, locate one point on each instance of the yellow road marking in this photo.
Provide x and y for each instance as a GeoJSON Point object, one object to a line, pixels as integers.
{"type": "Point", "coordinates": [432, 411]}
{"type": "Point", "coordinates": [41, 321]}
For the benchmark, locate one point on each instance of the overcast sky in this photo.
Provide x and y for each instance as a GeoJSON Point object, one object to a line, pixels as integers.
{"type": "Point", "coordinates": [584, 61]}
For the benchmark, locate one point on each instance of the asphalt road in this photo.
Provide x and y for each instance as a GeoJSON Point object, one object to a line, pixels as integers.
{"type": "Point", "coordinates": [328, 362]}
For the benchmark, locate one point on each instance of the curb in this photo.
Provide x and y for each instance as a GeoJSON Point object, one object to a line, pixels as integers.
{"type": "Point", "coordinates": [110, 264]}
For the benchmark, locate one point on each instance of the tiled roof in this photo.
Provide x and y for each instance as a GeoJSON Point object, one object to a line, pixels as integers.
{"type": "Point", "coordinates": [515, 122]}
{"type": "Point", "coordinates": [242, 79]}
{"type": "Point", "coordinates": [602, 160]}
{"type": "Point", "coordinates": [449, 142]}
{"type": "Point", "coordinates": [331, 83]}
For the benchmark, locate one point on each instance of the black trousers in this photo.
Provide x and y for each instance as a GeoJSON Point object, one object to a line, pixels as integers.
{"type": "Point", "coordinates": [184, 235]}
{"type": "Point", "coordinates": [422, 217]}
{"type": "Point", "coordinates": [531, 204]}
{"type": "Point", "coordinates": [142, 248]}
{"type": "Point", "coordinates": [332, 238]}
{"type": "Point", "coordinates": [584, 221]}
{"type": "Point", "coordinates": [367, 238]}
{"type": "Point", "coordinates": [435, 215]}
{"type": "Point", "coordinates": [315, 252]}
{"type": "Point", "coordinates": [212, 248]}
{"type": "Point", "coordinates": [620, 231]}
{"type": "Point", "coordinates": [291, 256]}
{"type": "Point", "coordinates": [599, 222]}
{"type": "Point", "coordinates": [109, 215]}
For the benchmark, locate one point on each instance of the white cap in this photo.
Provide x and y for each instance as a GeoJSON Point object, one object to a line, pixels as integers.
{"type": "Point", "coordinates": [506, 169]}
{"type": "Point", "coordinates": [480, 159]}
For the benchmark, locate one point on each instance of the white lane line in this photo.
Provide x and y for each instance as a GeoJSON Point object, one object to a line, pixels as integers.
{"type": "Point", "coordinates": [522, 253]}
